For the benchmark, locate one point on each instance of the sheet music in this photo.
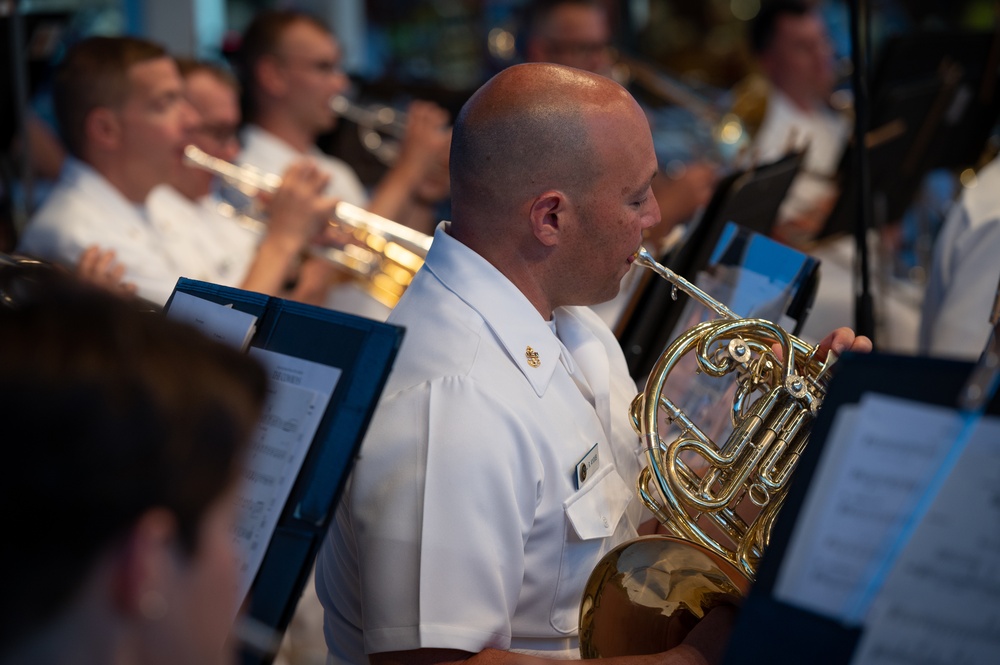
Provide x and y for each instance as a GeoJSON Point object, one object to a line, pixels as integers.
{"type": "Point", "coordinates": [298, 394]}
{"type": "Point", "coordinates": [941, 602]}
{"type": "Point", "coordinates": [221, 323]}
{"type": "Point", "coordinates": [878, 459]}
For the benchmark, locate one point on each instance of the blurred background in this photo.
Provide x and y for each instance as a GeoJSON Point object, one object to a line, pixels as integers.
{"type": "Point", "coordinates": [442, 50]}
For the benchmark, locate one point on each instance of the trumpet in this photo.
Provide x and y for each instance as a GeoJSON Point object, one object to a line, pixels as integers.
{"type": "Point", "coordinates": [380, 128]}
{"type": "Point", "coordinates": [646, 594]}
{"type": "Point", "coordinates": [382, 254]}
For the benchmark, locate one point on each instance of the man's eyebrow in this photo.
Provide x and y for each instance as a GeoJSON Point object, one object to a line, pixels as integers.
{"type": "Point", "coordinates": [629, 190]}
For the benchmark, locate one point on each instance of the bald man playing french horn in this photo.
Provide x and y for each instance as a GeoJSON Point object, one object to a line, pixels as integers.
{"type": "Point", "coordinates": [468, 531]}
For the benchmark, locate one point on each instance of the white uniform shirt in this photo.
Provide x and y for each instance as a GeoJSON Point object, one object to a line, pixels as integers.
{"type": "Point", "coordinates": [461, 526]}
{"type": "Point", "coordinates": [267, 152]}
{"type": "Point", "coordinates": [965, 272]}
{"type": "Point", "coordinates": [85, 209]}
{"type": "Point", "coordinates": [202, 242]}
{"type": "Point", "coordinates": [786, 127]}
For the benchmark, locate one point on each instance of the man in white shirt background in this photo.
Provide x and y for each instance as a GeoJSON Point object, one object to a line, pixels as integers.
{"type": "Point", "coordinates": [252, 254]}
{"type": "Point", "coordinates": [290, 71]}
{"type": "Point", "coordinates": [794, 53]}
{"type": "Point", "coordinates": [124, 121]}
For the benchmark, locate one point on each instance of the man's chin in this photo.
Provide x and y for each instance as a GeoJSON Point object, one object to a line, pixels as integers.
{"type": "Point", "coordinates": [328, 125]}
{"type": "Point", "coordinates": [606, 297]}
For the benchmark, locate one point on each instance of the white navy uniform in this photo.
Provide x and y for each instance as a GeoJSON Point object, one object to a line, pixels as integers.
{"type": "Point", "coordinates": [462, 525]}
{"type": "Point", "coordinates": [823, 133]}
{"type": "Point", "coordinates": [203, 242]}
{"type": "Point", "coordinates": [85, 209]}
{"type": "Point", "coordinates": [269, 154]}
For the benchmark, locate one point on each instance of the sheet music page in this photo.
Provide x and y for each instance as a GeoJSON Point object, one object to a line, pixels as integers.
{"type": "Point", "coordinates": [219, 322]}
{"type": "Point", "coordinates": [941, 603]}
{"type": "Point", "coordinates": [880, 456]}
{"type": "Point", "coordinates": [298, 393]}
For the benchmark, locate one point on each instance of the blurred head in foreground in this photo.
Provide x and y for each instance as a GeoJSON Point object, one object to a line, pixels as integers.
{"type": "Point", "coordinates": [124, 433]}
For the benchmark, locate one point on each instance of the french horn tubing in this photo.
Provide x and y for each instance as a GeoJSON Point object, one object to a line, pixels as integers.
{"type": "Point", "coordinates": [718, 502]}
{"type": "Point", "coordinates": [382, 255]}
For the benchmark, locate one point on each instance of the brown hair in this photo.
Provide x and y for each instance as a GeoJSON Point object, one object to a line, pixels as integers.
{"type": "Point", "coordinates": [94, 74]}
{"type": "Point", "coordinates": [109, 411]}
{"type": "Point", "coordinates": [190, 66]}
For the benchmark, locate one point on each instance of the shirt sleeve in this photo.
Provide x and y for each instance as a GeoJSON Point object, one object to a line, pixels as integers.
{"type": "Point", "coordinates": [60, 233]}
{"type": "Point", "coordinates": [960, 325]}
{"type": "Point", "coordinates": [442, 500]}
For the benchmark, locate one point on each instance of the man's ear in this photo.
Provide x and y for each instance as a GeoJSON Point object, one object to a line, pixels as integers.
{"type": "Point", "coordinates": [549, 214]}
{"type": "Point", "coordinates": [269, 76]}
{"type": "Point", "coordinates": [103, 128]}
{"type": "Point", "coordinates": [145, 565]}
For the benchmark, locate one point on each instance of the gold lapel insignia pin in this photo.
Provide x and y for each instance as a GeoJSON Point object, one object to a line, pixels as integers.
{"type": "Point", "coordinates": [532, 357]}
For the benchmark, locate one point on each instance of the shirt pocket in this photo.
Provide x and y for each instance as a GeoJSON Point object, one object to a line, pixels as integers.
{"type": "Point", "coordinates": [593, 515]}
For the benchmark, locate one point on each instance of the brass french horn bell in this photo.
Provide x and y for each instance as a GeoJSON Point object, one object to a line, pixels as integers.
{"type": "Point", "coordinates": [719, 502]}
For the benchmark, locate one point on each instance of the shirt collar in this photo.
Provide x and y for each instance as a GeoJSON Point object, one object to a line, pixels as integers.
{"type": "Point", "coordinates": [263, 141]}
{"type": "Point", "coordinates": [517, 325]}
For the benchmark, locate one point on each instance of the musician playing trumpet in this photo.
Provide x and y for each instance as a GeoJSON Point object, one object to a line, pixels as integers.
{"type": "Point", "coordinates": [290, 71]}
{"type": "Point", "coordinates": [125, 118]}
{"type": "Point", "coordinates": [497, 467]}
{"type": "Point", "coordinates": [233, 250]}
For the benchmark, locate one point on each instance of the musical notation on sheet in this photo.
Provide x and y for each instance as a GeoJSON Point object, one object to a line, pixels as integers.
{"type": "Point", "coordinates": [940, 603]}
{"type": "Point", "coordinates": [878, 458]}
{"type": "Point", "coordinates": [298, 393]}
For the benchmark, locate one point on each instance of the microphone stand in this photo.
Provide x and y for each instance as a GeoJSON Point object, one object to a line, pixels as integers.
{"type": "Point", "coordinates": [864, 316]}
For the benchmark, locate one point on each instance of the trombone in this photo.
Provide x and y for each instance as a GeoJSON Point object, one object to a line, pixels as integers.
{"type": "Point", "coordinates": [382, 254]}
{"type": "Point", "coordinates": [730, 134]}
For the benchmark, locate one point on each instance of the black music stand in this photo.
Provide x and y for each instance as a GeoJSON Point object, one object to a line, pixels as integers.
{"type": "Point", "coordinates": [774, 631]}
{"type": "Point", "coordinates": [748, 198]}
{"type": "Point", "coordinates": [934, 104]}
{"type": "Point", "coordinates": [362, 351]}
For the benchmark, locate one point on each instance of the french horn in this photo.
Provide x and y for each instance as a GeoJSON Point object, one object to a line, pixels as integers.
{"type": "Point", "coordinates": [718, 502]}
{"type": "Point", "coordinates": [382, 255]}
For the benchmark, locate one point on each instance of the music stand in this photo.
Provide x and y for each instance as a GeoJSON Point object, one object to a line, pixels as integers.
{"type": "Point", "coordinates": [749, 198]}
{"type": "Point", "coordinates": [934, 104]}
{"type": "Point", "coordinates": [765, 620]}
{"type": "Point", "coordinates": [358, 353]}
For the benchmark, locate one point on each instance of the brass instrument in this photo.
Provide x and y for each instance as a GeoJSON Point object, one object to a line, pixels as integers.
{"type": "Point", "coordinates": [700, 491]}
{"type": "Point", "coordinates": [380, 128]}
{"type": "Point", "coordinates": [382, 254]}
{"type": "Point", "coordinates": [729, 132]}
